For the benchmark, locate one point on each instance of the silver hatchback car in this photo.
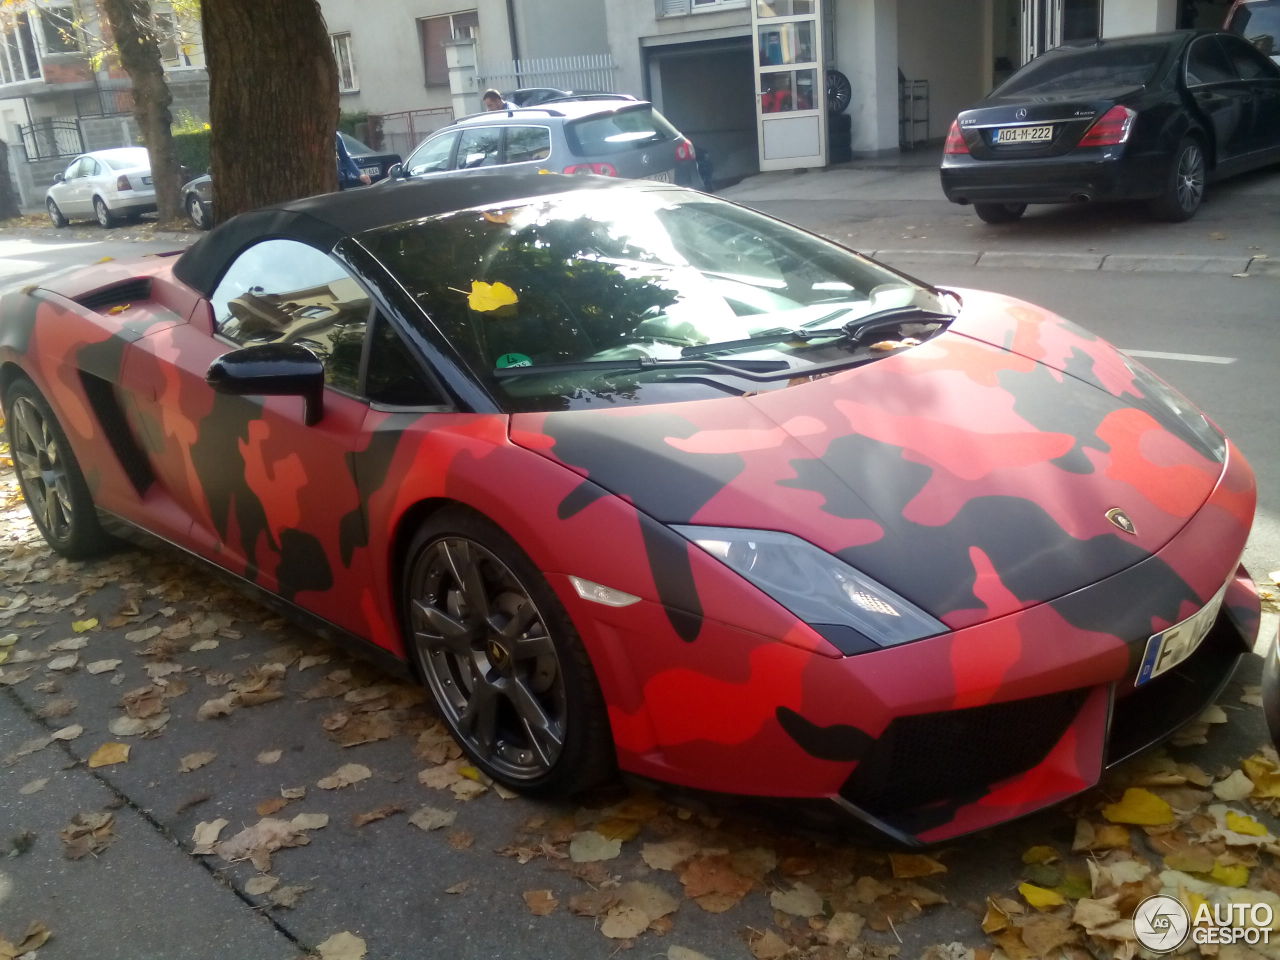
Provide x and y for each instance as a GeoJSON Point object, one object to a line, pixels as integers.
{"type": "Point", "coordinates": [603, 135]}
{"type": "Point", "coordinates": [104, 184]}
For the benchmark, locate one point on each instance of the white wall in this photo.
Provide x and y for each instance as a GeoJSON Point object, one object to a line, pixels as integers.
{"type": "Point", "coordinates": [866, 35]}
{"type": "Point", "coordinates": [388, 53]}
{"type": "Point", "coordinates": [943, 41]}
{"type": "Point", "coordinates": [1123, 18]}
{"type": "Point", "coordinates": [560, 28]}
{"type": "Point", "coordinates": [634, 23]}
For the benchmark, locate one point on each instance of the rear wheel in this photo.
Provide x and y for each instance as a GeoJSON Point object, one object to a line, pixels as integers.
{"type": "Point", "coordinates": [196, 214]}
{"type": "Point", "coordinates": [999, 212]}
{"type": "Point", "coordinates": [55, 215]}
{"type": "Point", "coordinates": [100, 209]}
{"type": "Point", "coordinates": [49, 475]}
{"type": "Point", "coordinates": [503, 662]}
{"type": "Point", "coordinates": [1184, 191]}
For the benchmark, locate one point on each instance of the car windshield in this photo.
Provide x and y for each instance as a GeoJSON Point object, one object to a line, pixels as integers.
{"type": "Point", "coordinates": [1077, 68]}
{"type": "Point", "coordinates": [618, 132]}
{"type": "Point", "coordinates": [642, 279]}
{"type": "Point", "coordinates": [127, 159]}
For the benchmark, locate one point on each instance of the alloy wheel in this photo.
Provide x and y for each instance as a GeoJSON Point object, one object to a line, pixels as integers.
{"type": "Point", "coordinates": [41, 467]}
{"type": "Point", "coordinates": [195, 210]}
{"type": "Point", "coordinates": [488, 657]}
{"type": "Point", "coordinates": [1190, 183]}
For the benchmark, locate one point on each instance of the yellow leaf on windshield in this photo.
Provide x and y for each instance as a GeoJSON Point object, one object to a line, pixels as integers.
{"type": "Point", "coordinates": [1141, 807]}
{"type": "Point", "coordinates": [485, 297]}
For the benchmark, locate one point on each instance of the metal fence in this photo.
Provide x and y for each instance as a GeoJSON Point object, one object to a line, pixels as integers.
{"type": "Point", "coordinates": [593, 71]}
{"type": "Point", "coordinates": [48, 139]}
{"type": "Point", "coordinates": [401, 132]}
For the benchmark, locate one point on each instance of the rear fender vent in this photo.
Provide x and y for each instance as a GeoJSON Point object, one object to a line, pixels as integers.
{"type": "Point", "coordinates": [126, 291]}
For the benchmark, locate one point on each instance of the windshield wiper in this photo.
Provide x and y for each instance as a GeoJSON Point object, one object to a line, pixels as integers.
{"type": "Point", "coordinates": [639, 364]}
{"type": "Point", "coordinates": [888, 313]}
{"type": "Point", "coordinates": [850, 330]}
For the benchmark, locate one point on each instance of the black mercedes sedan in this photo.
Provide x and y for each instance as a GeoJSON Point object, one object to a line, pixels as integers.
{"type": "Point", "coordinates": [1151, 117]}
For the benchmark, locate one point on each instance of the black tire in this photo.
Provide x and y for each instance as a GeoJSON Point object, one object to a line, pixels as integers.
{"type": "Point", "coordinates": [55, 215]}
{"type": "Point", "coordinates": [106, 218]}
{"type": "Point", "coordinates": [196, 213]}
{"type": "Point", "coordinates": [999, 212]}
{"type": "Point", "coordinates": [501, 658]}
{"type": "Point", "coordinates": [1184, 191]}
{"type": "Point", "coordinates": [839, 92]}
{"type": "Point", "coordinates": [49, 475]}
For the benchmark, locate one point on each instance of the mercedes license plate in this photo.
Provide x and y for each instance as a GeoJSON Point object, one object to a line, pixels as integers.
{"type": "Point", "coordinates": [1168, 648]}
{"type": "Point", "coordinates": [1024, 134]}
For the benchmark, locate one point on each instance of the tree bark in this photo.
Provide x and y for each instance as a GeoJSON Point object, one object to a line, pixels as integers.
{"type": "Point", "coordinates": [131, 26]}
{"type": "Point", "coordinates": [8, 196]}
{"type": "Point", "coordinates": [273, 102]}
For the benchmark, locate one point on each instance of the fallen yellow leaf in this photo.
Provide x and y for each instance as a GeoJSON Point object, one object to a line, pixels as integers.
{"type": "Point", "coordinates": [908, 866]}
{"type": "Point", "coordinates": [1264, 774]}
{"type": "Point", "coordinates": [1243, 823]}
{"type": "Point", "coordinates": [1041, 854]}
{"type": "Point", "coordinates": [1236, 875]}
{"type": "Point", "coordinates": [80, 626]}
{"type": "Point", "coordinates": [485, 297]}
{"type": "Point", "coordinates": [1039, 897]}
{"type": "Point", "coordinates": [120, 308]}
{"type": "Point", "coordinates": [1141, 807]}
{"type": "Point", "coordinates": [108, 754]}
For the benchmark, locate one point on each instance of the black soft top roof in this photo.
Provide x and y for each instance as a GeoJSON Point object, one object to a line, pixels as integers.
{"type": "Point", "coordinates": [324, 220]}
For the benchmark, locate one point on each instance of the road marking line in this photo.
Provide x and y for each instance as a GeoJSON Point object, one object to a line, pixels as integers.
{"type": "Point", "coordinates": [1190, 357]}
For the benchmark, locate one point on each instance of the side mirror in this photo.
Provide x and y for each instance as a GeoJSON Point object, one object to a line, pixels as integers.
{"type": "Point", "coordinates": [395, 171]}
{"type": "Point", "coordinates": [59, 178]}
{"type": "Point", "coordinates": [272, 370]}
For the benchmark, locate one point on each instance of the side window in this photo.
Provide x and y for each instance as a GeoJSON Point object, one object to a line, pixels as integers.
{"type": "Point", "coordinates": [90, 167]}
{"type": "Point", "coordinates": [75, 169]}
{"type": "Point", "coordinates": [394, 377]}
{"type": "Point", "coordinates": [1206, 63]}
{"type": "Point", "coordinates": [525, 144]}
{"type": "Point", "coordinates": [432, 156]}
{"type": "Point", "coordinates": [479, 147]}
{"type": "Point", "coordinates": [282, 291]}
{"type": "Point", "coordinates": [1249, 61]}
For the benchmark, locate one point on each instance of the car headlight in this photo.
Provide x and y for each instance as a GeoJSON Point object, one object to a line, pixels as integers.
{"type": "Point", "coordinates": [852, 611]}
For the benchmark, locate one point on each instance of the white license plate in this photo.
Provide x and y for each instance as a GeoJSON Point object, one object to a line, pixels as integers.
{"type": "Point", "coordinates": [146, 181]}
{"type": "Point", "coordinates": [1024, 134]}
{"type": "Point", "coordinates": [666, 176]}
{"type": "Point", "coordinates": [1168, 648]}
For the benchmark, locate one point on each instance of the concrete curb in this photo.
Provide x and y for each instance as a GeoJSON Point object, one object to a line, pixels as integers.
{"type": "Point", "coordinates": [1108, 263]}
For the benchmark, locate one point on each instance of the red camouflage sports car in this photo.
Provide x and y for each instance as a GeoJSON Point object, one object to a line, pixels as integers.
{"type": "Point", "coordinates": [632, 476]}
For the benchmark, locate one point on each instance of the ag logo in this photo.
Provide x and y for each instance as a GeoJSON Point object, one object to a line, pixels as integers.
{"type": "Point", "coordinates": [1161, 923]}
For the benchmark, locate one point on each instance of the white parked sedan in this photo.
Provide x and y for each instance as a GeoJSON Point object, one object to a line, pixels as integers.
{"type": "Point", "coordinates": [105, 184]}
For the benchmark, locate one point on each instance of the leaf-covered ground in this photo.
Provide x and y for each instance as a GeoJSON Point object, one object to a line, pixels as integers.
{"type": "Point", "coordinates": [314, 784]}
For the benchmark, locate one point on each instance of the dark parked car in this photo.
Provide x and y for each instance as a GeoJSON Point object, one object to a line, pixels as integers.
{"type": "Point", "coordinates": [197, 195]}
{"type": "Point", "coordinates": [632, 476]}
{"type": "Point", "coordinates": [1150, 118]}
{"type": "Point", "coordinates": [606, 134]}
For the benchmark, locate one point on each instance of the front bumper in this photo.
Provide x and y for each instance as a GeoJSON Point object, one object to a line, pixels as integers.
{"type": "Point", "coordinates": [1086, 174]}
{"type": "Point", "coordinates": [944, 736]}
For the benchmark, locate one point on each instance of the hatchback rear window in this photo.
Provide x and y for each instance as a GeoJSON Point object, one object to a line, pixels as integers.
{"type": "Point", "coordinates": [1071, 68]}
{"type": "Point", "coordinates": [618, 132]}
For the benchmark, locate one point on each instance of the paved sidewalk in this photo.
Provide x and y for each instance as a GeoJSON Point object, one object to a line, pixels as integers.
{"type": "Point", "coordinates": [893, 208]}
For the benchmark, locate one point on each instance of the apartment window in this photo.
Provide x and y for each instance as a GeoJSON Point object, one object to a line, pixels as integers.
{"type": "Point", "coordinates": [434, 31]}
{"type": "Point", "coordinates": [18, 60]}
{"type": "Point", "coordinates": [58, 29]}
{"type": "Point", "coordinates": [170, 37]}
{"type": "Point", "coordinates": [347, 81]}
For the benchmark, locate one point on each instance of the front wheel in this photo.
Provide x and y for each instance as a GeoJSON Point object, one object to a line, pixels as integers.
{"type": "Point", "coordinates": [100, 209]}
{"type": "Point", "coordinates": [196, 214]}
{"type": "Point", "coordinates": [503, 662]}
{"type": "Point", "coordinates": [49, 475]}
{"type": "Point", "coordinates": [1184, 190]}
{"type": "Point", "coordinates": [999, 212]}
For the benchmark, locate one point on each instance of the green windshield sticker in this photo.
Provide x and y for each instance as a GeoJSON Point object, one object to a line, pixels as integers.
{"type": "Point", "coordinates": [513, 360]}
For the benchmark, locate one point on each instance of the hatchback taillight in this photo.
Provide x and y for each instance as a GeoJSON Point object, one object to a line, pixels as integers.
{"type": "Point", "coordinates": [600, 169]}
{"type": "Point", "coordinates": [684, 150]}
{"type": "Point", "coordinates": [1111, 128]}
{"type": "Point", "coordinates": [955, 140]}
{"type": "Point", "coordinates": [122, 183]}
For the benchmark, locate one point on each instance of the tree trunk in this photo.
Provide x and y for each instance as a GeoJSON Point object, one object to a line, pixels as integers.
{"type": "Point", "coordinates": [273, 102]}
{"type": "Point", "coordinates": [131, 25]}
{"type": "Point", "coordinates": [8, 196]}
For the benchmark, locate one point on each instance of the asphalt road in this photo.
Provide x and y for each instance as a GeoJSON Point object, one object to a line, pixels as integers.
{"type": "Point", "coordinates": [460, 891]}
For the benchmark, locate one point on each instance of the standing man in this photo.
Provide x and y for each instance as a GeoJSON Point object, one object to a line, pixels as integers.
{"type": "Point", "coordinates": [493, 100]}
{"type": "Point", "coordinates": [349, 174]}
